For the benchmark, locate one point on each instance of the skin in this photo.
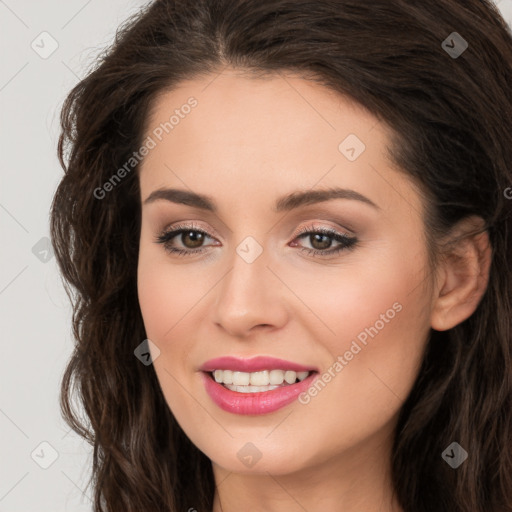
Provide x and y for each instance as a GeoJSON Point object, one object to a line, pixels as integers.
{"type": "Point", "coordinates": [248, 142]}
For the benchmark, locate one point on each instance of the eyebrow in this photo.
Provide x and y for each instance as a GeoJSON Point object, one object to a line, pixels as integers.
{"type": "Point", "coordinates": [286, 203]}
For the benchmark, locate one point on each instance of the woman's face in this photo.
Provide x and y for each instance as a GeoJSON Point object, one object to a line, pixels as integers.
{"type": "Point", "coordinates": [267, 284]}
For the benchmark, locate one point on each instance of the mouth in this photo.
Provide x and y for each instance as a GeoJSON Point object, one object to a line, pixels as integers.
{"type": "Point", "coordinates": [255, 386]}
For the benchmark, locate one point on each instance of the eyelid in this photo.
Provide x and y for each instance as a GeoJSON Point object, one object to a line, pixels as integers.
{"type": "Point", "coordinates": [190, 225]}
{"type": "Point", "coordinates": [348, 220]}
{"type": "Point", "coordinates": [318, 226]}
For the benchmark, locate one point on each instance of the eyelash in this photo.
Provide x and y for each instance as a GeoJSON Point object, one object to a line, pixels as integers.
{"type": "Point", "coordinates": [347, 242]}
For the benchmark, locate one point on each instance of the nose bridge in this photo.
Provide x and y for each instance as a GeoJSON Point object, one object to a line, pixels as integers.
{"type": "Point", "coordinates": [248, 294]}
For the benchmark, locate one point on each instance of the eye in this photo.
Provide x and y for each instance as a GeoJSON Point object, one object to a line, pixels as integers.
{"type": "Point", "coordinates": [322, 239]}
{"type": "Point", "coordinates": [192, 238]}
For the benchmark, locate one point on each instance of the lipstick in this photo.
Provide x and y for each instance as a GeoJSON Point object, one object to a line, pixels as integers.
{"type": "Point", "coordinates": [257, 402]}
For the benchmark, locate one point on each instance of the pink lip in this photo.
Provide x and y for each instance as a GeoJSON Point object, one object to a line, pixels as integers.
{"type": "Point", "coordinates": [254, 364]}
{"type": "Point", "coordinates": [254, 403]}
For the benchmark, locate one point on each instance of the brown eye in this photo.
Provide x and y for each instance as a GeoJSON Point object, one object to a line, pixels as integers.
{"type": "Point", "coordinates": [317, 242]}
{"type": "Point", "coordinates": [322, 239]}
{"type": "Point", "coordinates": [192, 239]}
{"type": "Point", "coordinates": [183, 240]}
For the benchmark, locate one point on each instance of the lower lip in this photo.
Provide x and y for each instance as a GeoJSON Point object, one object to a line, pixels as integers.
{"type": "Point", "coordinates": [254, 403]}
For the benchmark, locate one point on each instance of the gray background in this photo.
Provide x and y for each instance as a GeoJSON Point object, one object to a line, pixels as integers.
{"type": "Point", "coordinates": [35, 75]}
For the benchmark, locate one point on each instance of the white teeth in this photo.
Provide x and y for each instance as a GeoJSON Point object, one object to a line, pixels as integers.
{"type": "Point", "coordinates": [228, 377]}
{"type": "Point", "coordinates": [259, 378]}
{"type": "Point", "coordinates": [276, 377]}
{"type": "Point", "coordinates": [241, 378]}
{"type": "Point", "coordinates": [250, 389]}
{"type": "Point", "coordinates": [290, 376]}
{"type": "Point", "coordinates": [252, 382]}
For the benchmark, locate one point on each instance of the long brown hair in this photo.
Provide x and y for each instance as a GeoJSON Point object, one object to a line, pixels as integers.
{"type": "Point", "coordinates": [451, 116]}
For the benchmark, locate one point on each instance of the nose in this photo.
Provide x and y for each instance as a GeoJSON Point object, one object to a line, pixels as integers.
{"type": "Point", "coordinates": [250, 298]}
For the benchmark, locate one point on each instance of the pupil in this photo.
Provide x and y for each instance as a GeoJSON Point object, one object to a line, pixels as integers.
{"type": "Point", "coordinates": [325, 245]}
{"type": "Point", "coordinates": [196, 237]}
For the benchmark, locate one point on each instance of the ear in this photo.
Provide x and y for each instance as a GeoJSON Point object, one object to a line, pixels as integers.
{"type": "Point", "coordinates": [462, 275]}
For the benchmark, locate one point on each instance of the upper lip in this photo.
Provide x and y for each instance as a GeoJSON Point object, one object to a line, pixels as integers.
{"type": "Point", "coordinates": [253, 364]}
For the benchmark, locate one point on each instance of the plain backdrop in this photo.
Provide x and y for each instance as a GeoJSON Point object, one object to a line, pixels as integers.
{"type": "Point", "coordinates": [46, 47]}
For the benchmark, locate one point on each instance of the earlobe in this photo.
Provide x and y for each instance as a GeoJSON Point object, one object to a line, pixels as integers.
{"type": "Point", "coordinates": [463, 276]}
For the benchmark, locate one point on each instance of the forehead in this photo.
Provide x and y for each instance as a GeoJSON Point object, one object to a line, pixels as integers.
{"type": "Point", "coordinates": [275, 109]}
{"type": "Point", "coordinates": [270, 134]}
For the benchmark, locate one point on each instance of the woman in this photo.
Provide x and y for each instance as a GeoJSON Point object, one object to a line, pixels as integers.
{"type": "Point", "coordinates": [297, 211]}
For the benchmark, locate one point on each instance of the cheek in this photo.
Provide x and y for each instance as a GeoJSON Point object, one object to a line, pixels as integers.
{"type": "Point", "coordinates": [155, 300]}
{"type": "Point", "coordinates": [166, 293]}
{"type": "Point", "coordinates": [376, 317]}
{"type": "Point", "coordinates": [165, 298]}
{"type": "Point", "coordinates": [382, 290]}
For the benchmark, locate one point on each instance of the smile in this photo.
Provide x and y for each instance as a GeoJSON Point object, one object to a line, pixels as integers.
{"type": "Point", "coordinates": [274, 383]}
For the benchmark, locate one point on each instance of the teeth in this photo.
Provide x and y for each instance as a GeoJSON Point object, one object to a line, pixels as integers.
{"type": "Point", "coordinates": [290, 377]}
{"type": "Point", "coordinates": [276, 377]}
{"type": "Point", "coordinates": [223, 376]}
{"type": "Point", "coordinates": [263, 379]}
{"type": "Point", "coordinates": [250, 389]}
{"type": "Point", "coordinates": [241, 378]}
{"type": "Point", "coordinates": [259, 378]}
